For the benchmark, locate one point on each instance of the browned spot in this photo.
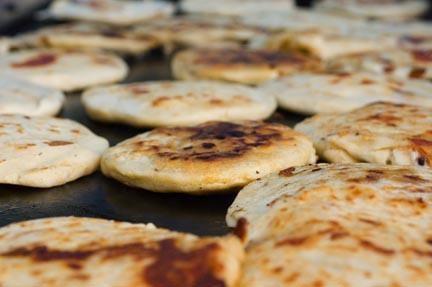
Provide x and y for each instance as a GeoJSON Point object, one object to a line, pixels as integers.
{"type": "Point", "coordinates": [138, 89]}
{"type": "Point", "coordinates": [241, 228]}
{"type": "Point", "coordinates": [75, 131]}
{"type": "Point", "coordinates": [159, 101]}
{"type": "Point", "coordinates": [176, 268]}
{"type": "Point", "coordinates": [287, 172]}
{"type": "Point", "coordinates": [208, 145]}
{"type": "Point", "coordinates": [103, 60]}
{"type": "Point", "coordinates": [414, 178]}
{"type": "Point", "coordinates": [74, 265]}
{"type": "Point", "coordinates": [58, 143]}
{"type": "Point", "coordinates": [170, 266]}
{"type": "Point", "coordinates": [216, 102]}
{"type": "Point", "coordinates": [371, 176]}
{"type": "Point", "coordinates": [417, 73]}
{"type": "Point", "coordinates": [291, 278]}
{"type": "Point", "coordinates": [370, 221]}
{"type": "Point", "coordinates": [422, 55]}
{"type": "Point", "coordinates": [36, 61]}
{"type": "Point", "coordinates": [423, 145]}
{"type": "Point", "coordinates": [24, 146]}
{"type": "Point", "coordinates": [384, 118]}
{"type": "Point", "coordinates": [376, 248]}
{"type": "Point", "coordinates": [295, 241]}
{"type": "Point", "coordinates": [367, 82]}
{"type": "Point", "coordinates": [338, 235]}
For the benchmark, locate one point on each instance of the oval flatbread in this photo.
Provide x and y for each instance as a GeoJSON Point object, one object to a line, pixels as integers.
{"type": "Point", "coordinates": [238, 65]}
{"type": "Point", "coordinates": [22, 97]}
{"type": "Point", "coordinates": [46, 152]}
{"type": "Point", "coordinates": [311, 93]}
{"type": "Point", "coordinates": [236, 8]}
{"type": "Point", "coordinates": [357, 225]}
{"type": "Point", "coordinates": [207, 158]}
{"type": "Point", "coordinates": [111, 11]}
{"type": "Point", "coordinates": [169, 103]}
{"type": "Point", "coordinates": [64, 70]}
{"type": "Point", "coordinates": [199, 31]}
{"type": "Point", "coordinates": [88, 36]}
{"type": "Point", "coordinates": [414, 64]}
{"type": "Point", "coordinates": [87, 252]}
{"type": "Point", "coordinates": [383, 133]}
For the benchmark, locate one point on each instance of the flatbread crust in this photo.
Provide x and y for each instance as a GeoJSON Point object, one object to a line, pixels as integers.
{"type": "Point", "coordinates": [73, 251]}
{"type": "Point", "coordinates": [415, 64]}
{"type": "Point", "coordinates": [199, 31]}
{"type": "Point", "coordinates": [88, 36]}
{"type": "Point", "coordinates": [113, 12]}
{"type": "Point", "coordinates": [25, 98]}
{"type": "Point", "coordinates": [238, 65]}
{"type": "Point", "coordinates": [395, 10]}
{"type": "Point", "coordinates": [178, 159]}
{"type": "Point", "coordinates": [326, 44]}
{"type": "Point", "coordinates": [179, 103]}
{"type": "Point", "coordinates": [358, 225]}
{"type": "Point", "coordinates": [383, 133]}
{"type": "Point", "coordinates": [312, 93]}
{"type": "Point", "coordinates": [46, 152]}
{"type": "Point", "coordinates": [64, 70]}
{"type": "Point", "coordinates": [235, 7]}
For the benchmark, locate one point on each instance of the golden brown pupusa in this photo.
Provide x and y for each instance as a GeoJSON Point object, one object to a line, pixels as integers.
{"type": "Point", "coordinates": [178, 158]}
{"type": "Point", "coordinates": [337, 225]}
{"type": "Point", "coordinates": [382, 132]}
{"type": "Point", "coordinates": [239, 65]}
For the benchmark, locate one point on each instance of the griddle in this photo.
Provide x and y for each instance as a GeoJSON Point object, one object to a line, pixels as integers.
{"type": "Point", "coordinates": [98, 196]}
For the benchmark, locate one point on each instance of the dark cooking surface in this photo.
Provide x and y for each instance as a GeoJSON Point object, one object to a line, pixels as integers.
{"type": "Point", "coordinates": [97, 196]}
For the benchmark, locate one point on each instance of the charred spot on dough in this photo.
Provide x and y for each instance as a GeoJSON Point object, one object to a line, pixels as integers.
{"type": "Point", "coordinates": [367, 82]}
{"type": "Point", "coordinates": [170, 267]}
{"type": "Point", "coordinates": [376, 248]}
{"type": "Point", "coordinates": [417, 73]}
{"type": "Point", "coordinates": [371, 176]}
{"type": "Point", "coordinates": [240, 229]}
{"type": "Point", "coordinates": [422, 55]}
{"type": "Point", "coordinates": [58, 143]}
{"type": "Point", "coordinates": [385, 118]}
{"type": "Point", "coordinates": [40, 60]}
{"type": "Point", "coordinates": [287, 172]}
{"type": "Point", "coordinates": [293, 241]}
{"type": "Point", "coordinates": [138, 89]}
{"type": "Point", "coordinates": [236, 57]}
{"type": "Point", "coordinates": [24, 146]}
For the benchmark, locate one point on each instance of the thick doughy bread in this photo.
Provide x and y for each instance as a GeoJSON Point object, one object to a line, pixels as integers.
{"type": "Point", "coordinates": [86, 252]}
{"type": "Point", "coordinates": [88, 36]}
{"type": "Point", "coordinates": [64, 70]}
{"type": "Point", "coordinates": [235, 7]}
{"type": "Point", "coordinates": [357, 225]}
{"type": "Point", "coordinates": [383, 133]}
{"type": "Point", "coordinates": [46, 152]}
{"type": "Point", "coordinates": [394, 10]}
{"type": "Point", "coordinates": [415, 64]}
{"type": "Point", "coordinates": [311, 93]}
{"type": "Point", "coordinates": [207, 158]}
{"type": "Point", "coordinates": [111, 11]}
{"type": "Point", "coordinates": [169, 103]}
{"type": "Point", "coordinates": [24, 98]}
{"type": "Point", "coordinates": [199, 31]}
{"type": "Point", "coordinates": [238, 65]}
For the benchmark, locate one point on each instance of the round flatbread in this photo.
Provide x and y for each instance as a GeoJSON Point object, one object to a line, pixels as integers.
{"type": "Point", "coordinates": [188, 31]}
{"type": "Point", "coordinates": [358, 225]}
{"type": "Point", "coordinates": [24, 98]}
{"type": "Point", "coordinates": [64, 70]}
{"type": "Point", "coordinates": [46, 152]}
{"type": "Point", "coordinates": [383, 133]}
{"type": "Point", "coordinates": [169, 103]}
{"type": "Point", "coordinates": [238, 65]}
{"type": "Point", "coordinates": [310, 93]}
{"type": "Point", "coordinates": [178, 159]}
{"type": "Point", "coordinates": [88, 36]}
{"type": "Point", "coordinates": [375, 9]}
{"type": "Point", "coordinates": [111, 11]}
{"type": "Point", "coordinates": [236, 8]}
{"type": "Point", "coordinates": [415, 64]}
{"type": "Point", "coordinates": [72, 251]}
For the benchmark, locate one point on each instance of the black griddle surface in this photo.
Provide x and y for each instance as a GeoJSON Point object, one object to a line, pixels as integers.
{"type": "Point", "coordinates": [98, 196]}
